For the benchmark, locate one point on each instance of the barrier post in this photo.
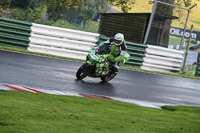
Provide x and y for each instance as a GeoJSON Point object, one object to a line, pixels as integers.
{"type": "Point", "coordinates": [186, 53]}
{"type": "Point", "coordinates": [197, 74]}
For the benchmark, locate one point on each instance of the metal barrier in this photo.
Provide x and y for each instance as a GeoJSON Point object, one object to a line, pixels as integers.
{"type": "Point", "coordinates": [61, 42]}
{"type": "Point", "coordinates": [76, 44]}
{"type": "Point", "coordinates": [136, 51]}
{"type": "Point", "coordinates": [14, 33]}
{"type": "Point", "coordinates": [64, 33]}
{"type": "Point", "coordinates": [198, 66]}
{"type": "Point", "coordinates": [162, 59]}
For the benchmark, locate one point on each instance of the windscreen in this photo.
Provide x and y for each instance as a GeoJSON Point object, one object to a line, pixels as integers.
{"type": "Point", "coordinates": [104, 49]}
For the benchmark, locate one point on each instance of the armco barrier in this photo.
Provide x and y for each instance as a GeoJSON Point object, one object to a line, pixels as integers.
{"type": "Point", "coordinates": [136, 51]}
{"type": "Point", "coordinates": [64, 33]}
{"type": "Point", "coordinates": [76, 44]}
{"type": "Point", "coordinates": [14, 33]}
{"type": "Point", "coordinates": [198, 66]}
{"type": "Point", "coordinates": [61, 42]}
{"type": "Point", "coordinates": [162, 59]}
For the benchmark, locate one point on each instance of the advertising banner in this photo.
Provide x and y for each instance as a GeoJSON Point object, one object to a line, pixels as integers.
{"type": "Point", "coordinates": [178, 32]}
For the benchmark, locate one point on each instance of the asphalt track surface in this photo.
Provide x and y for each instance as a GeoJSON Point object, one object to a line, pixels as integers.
{"type": "Point", "coordinates": [57, 74]}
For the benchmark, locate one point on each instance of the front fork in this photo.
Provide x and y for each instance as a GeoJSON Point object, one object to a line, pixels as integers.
{"type": "Point", "coordinates": [92, 65]}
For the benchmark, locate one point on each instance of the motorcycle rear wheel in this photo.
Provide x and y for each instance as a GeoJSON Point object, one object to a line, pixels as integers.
{"type": "Point", "coordinates": [83, 71]}
{"type": "Point", "coordinates": [108, 76]}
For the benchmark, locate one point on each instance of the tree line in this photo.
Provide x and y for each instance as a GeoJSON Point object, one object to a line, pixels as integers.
{"type": "Point", "coordinates": [73, 11]}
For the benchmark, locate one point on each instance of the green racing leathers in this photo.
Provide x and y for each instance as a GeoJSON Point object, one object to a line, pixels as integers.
{"type": "Point", "coordinates": [119, 53]}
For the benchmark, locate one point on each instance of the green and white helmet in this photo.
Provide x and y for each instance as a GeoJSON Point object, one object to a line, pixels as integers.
{"type": "Point", "coordinates": [119, 39]}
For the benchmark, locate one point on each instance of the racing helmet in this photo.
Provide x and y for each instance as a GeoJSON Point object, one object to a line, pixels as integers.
{"type": "Point", "coordinates": [119, 39]}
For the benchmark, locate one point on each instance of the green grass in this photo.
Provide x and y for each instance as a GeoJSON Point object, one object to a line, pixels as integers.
{"type": "Point", "coordinates": [188, 74]}
{"type": "Point", "coordinates": [198, 50]}
{"type": "Point", "coordinates": [23, 112]}
{"type": "Point", "coordinates": [174, 40]}
{"type": "Point", "coordinates": [194, 21]}
{"type": "Point", "coordinates": [177, 40]}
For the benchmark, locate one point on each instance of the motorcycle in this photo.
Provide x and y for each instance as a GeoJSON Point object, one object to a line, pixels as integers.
{"type": "Point", "coordinates": [98, 64]}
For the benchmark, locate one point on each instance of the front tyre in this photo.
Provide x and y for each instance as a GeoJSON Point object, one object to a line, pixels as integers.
{"type": "Point", "coordinates": [83, 71]}
{"type": "Point", "coordinates": [109, 76]}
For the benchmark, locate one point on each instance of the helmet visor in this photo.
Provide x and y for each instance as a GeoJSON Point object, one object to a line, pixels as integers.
{"type": "Point", "coordinates": [118, 41]}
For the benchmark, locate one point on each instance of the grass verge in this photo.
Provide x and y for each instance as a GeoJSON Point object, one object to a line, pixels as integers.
{"type": "Point", "coordinates": [23, 112]}
{"type": "Point", "coordinates": [180, 74]}
{"type": "Point", "coordinates": [174, 40]}
{"type": "Point", "coordinates": [125, 67]}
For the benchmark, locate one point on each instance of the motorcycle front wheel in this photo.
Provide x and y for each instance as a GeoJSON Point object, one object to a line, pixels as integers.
{"type": "Point", "coordinates": [83, 71]}
{"type": "Point", "coordinates": [108, 76]}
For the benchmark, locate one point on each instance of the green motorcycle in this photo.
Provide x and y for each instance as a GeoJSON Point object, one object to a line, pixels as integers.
{"type": "Point", "coordinates": [98, 65]}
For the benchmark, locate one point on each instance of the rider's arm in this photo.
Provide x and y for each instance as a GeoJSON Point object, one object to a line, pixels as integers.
{"type": "Point", "coordinates": [110, 41]}
{"type": "Point", "coordinates": [119, 58]}
{"type": "Point", "coordinates": [122, 53]}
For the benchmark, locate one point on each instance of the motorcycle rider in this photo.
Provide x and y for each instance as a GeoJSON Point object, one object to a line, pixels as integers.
{"type": "Point", "coordinates": [118, 50]}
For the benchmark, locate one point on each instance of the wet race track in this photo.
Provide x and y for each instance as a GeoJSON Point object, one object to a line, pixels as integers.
{"type": "Point", "coordinates": [137, 87]}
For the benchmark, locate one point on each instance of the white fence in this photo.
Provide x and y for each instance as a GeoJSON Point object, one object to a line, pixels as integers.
{"type": "Point", "coordinates": [61, 42]}
{"type": "Point", "coordinates": [162, 59]}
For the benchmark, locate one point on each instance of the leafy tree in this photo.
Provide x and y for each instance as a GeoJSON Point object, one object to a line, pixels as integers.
{"type": "Point", "coordinates": [27, 10]}
{"type": "Point", "coordinates": [75, 11]}
{"type": "Point", "coordinates": [89, 10]}
{"type": "Point", "coordinates": [125, 5]}
{"type": "Point", "coordinates": [58, 9]}
{"type": "Point", "coordinates": [5, 4]}
{"type": "Point", "coordinates": [24, 4]}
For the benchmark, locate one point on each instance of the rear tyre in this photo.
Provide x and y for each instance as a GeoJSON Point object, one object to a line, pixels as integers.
{"type": "Point", "coordinates": [83, 71]}
{"type": "Point", "coordinates": [109, 76]}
